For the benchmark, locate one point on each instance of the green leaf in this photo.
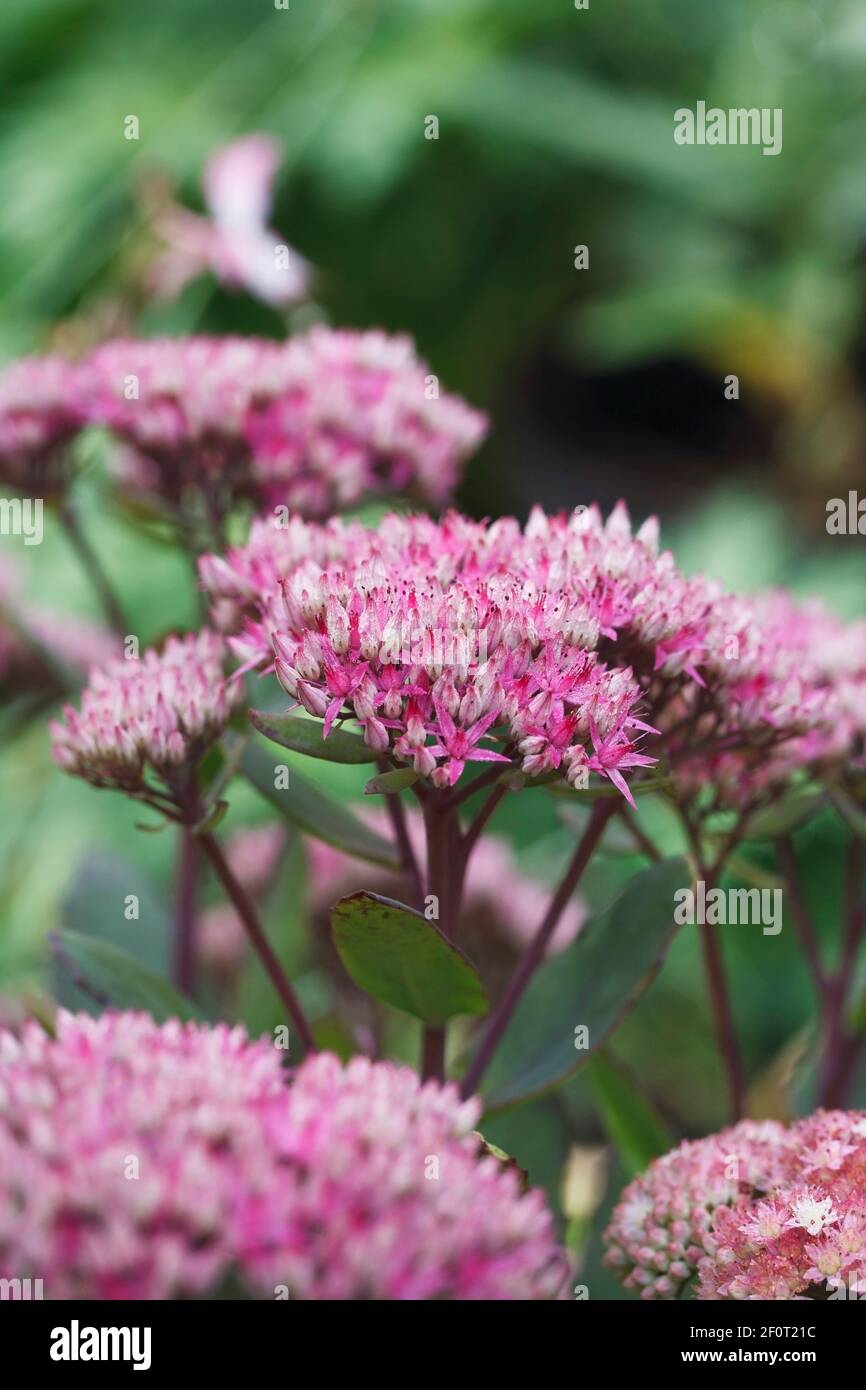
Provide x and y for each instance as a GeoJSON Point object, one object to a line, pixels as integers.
{"type": "Point", "coordinates": [633, 1126]}
{"type": "Point", "coordinates": [117, 977]}
{"type": "Point", "coordinates": [592, 984]}
{"type": "Point", "coordinates": [389, 783]}
{"type": "Point", "coordinates": [395, 954]}
{"type": "Point", "coordinates": [316, 813]}
{"type": "Point", "coordinates": [857, 1014]}
{"type": "Point", "coordinates": [94, 907]}
{"type": "Point", "coordinates": [786, 815]}
{"type": "Point", "coordinates": [305, 736]}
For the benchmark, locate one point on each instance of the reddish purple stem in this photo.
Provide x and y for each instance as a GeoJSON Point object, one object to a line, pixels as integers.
{"type": "Point", "coordinates": [534, 954]}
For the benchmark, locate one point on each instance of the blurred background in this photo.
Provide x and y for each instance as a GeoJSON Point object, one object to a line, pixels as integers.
{"type": "Point", "coordinates": [555, 131]}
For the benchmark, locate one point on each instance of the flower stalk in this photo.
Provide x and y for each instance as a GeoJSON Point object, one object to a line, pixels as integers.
{"type": "Point", "coordinates": [246, 911]}
{"type": "Point", "coordinates": [186, 910]}
{"type": "Point", "coordinates": [93, 568]}
{"type": "Point", "coordinates": [534, 954]}
{"type": "Point", "coordinates": [714, 969]}
{"type": "Point", "coordinates": [446, 867]}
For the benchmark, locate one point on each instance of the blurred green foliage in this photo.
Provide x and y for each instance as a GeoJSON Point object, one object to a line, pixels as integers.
{"type": "Point", "coordinates": [555, 129]}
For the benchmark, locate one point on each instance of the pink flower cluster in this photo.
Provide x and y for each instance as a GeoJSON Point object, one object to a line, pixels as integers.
{"type": "Point", "coordinates": [456, 631]}
{"type": "Point", "coordinates": [181, 407]}
{"type": "Point", "coordinates": [795, 676]}
{"type": "Point", "coordinates": [158, 713]}
{"type": "Point", "coordinates": [757, 1211]}
{"type": "Point", "coordinates": [359, 413]}
{"type": "Point", "coordinates": [40, 413]}
{"type": "Point", "coordinates": [387, 1196]}
{"type": "Point", "coordinates": [313, 424]}
{"type": "Point", "coordinates": [121, 1145]}
{"type": "Point", "coordinates": [146, 1161]}
{"type": "Point", "coordinates": [553, 634]}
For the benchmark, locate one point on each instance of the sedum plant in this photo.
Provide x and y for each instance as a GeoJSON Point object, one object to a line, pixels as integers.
{"type": "Point", "coordinates": [462, 662]}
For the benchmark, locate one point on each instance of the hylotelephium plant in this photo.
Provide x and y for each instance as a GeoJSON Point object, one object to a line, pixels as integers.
{"type": "Point", "coordinates": [569, 652]}
{"type": "Point", "coordinates": [465, 661]}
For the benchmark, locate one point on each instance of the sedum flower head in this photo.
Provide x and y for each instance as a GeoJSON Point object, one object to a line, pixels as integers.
{"type": "Point", "coordinates": [757, 1211]}
{"type": "Point", "coordinates": [181, 407]}
{"type": "Point", "coordinates": [313, 424]}
{"type": "Point", "coordinates": [121, 1148]}
{"type": "Point", "coordinates": [359, 413]}
{"type": "Point", "coordinates": [146, 1161]}
{"type": "Point", "coordinates": [387, 1195]}
{"type": "Point", "coordinates": [789, 697]}
{"type": "Point", "coordinates": [449, 642]}
{"type": "Point", "coordinates": [748, 693]}
{"type": "Point", "coordinates": [154, 714]}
